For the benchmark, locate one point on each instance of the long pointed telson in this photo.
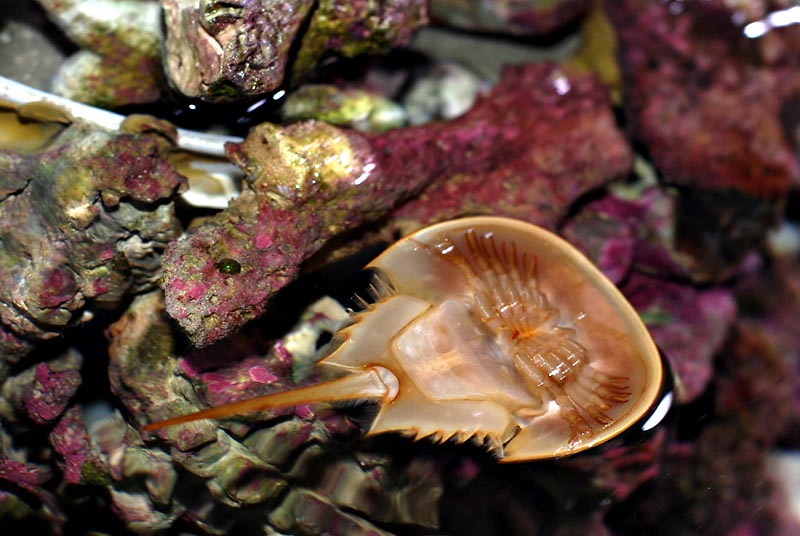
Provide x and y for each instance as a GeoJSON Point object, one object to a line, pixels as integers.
{"type": "Point", "coordinates": [375, 383]}
{"type": "Point", "coordinates": [492, 329]}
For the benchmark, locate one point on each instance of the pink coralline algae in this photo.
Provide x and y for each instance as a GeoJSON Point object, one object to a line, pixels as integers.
{"type": "Point", "coordinates": [624, 234]}
{"type": "Point", "coordinates": [555, 139]}
{"type": "Point", "coordinates": [707, 101]}
{"type": "Point", "coordinates": [690, 324]}
{"type": "Point", "coordinates": [528, 149]}
{"type": "Point", "coordinates": [234, 50]}
{"type": "Point", "coordinates": [88, 229]}
{"type": "Point", "coordinates": [48, 395]}
{"type": "Point", "coordinates": [118, 62]}
{"type": "Point", "coordinates": [25, 475]}
{"type": "Point", "coordinates": [83, 223]}
{"type": "Point", "coordinates": [718, 479]}
{"type": "Point", "coordinates": [770, 304]}
{"type": "Point", "coordinates": [82, 464]}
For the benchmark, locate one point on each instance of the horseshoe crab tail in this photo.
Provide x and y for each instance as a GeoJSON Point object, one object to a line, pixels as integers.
{"type": "Point", "coordinates": [372, 383]}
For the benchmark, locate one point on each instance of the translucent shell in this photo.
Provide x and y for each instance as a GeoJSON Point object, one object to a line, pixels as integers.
{"type": "Point", "coordinates": [493, 329]}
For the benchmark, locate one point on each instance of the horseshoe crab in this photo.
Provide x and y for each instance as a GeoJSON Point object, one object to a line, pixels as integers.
{"type": "Point", "coordinates": [492, 329]}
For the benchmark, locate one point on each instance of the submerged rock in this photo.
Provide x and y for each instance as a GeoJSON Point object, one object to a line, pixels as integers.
{"type": "Point", "coordinates": [528, 149]}
{"type": "Point", "coordinates": [84, 220]}
{"type": "Point", "coordinates": [43, 391]}
{"type": "Point", "coordinates": [120, 41]}
{"type": "Point", "coordinates": [349, 28]}
{"type": "Point", "coordinates": [706, 99]}
{"type": "Point", "coordinates": [221, 52]}
{"type": "Point", "coordinates": [356, 108]}
{"type": "Point", "coordinates": [526, 17]}
{"type": "Point", "coordinates": [292, 471]}
{"type": "Point", "coordinates": [632, 241]}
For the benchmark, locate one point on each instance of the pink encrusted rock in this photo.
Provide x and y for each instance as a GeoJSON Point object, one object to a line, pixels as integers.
{"type": "Point", "coordinates": [718, 480]}
{"type": "Point", "coordinates": [82, 462]}
{"type": "Point", "coordinates": [703, 96]}
{"type": "Point", "coordinates": [12, 348]}
{"type": "Point", "coordinates": [528, 149]}
{"type": "Point", "coordinates": [49, 395]}
{"type": "Point", "coordinates": [769, 303]}
{"type": "Point", "coordinates": [540, 140]}
{"type": "Point", "coordinates": [85, 225]}
{"type": "Point", "coordinates": [688, 324]}
{"type": "Point", "coordinates": [118, 62]}
{"type": "Point", "coordinates": [28, 476]}
{"type": "Point", "coordinates": [631, 241]}
{"type": "Point", "coordinates": [708, 103]}
{"type": "Point", "coordinates": [619, 234]}
{"type": "Point", "coordinates": [43, 391]}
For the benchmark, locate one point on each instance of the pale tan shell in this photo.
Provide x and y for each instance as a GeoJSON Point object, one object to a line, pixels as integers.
{"type": "Point", "coordinates": [493, 329]}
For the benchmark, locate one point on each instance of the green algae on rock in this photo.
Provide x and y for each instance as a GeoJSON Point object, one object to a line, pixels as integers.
{"type": "Point", "coordinates": [118, 61]}
{"type": "Point", "coordinates": [84, 219]}
{"type": "Point", "coordinates": [256, 473]}
{"type": "Point", "coordinates": [353, 27]}
{"type": "Point", "coordinates": [354, 108]}
{"type": "Point", "coordinates": [221, 52]}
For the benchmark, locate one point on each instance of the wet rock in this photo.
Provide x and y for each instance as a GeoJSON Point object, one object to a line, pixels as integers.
{"type": "Point", "coordinates": [527, 17]}
{"type": "Point", "coordinates": [82, 463]}
{"type": "Point", "coordinates": [83, 222]}
{"type": "Point", "coordinates": [688, 324]}
{"type": "Point", "coordinates": [253, 472]}
{"type": "Point", "coordinates": [108, 81]}
{"type": "Point", "coordinates": [706, 99]}
{"type": "Point", "coordinates": [528, 149]}
{"type": "Point", "coordinates": [43, 391]}
{"type": "Point", "coordinates": [222, 52]}
{"type": "Point", "coordinates": [446, 91]}
{"type": "Point", "coordinates": [565, 145]}
{"type": "Point", "coordinates": [632, 240]}
{"type": "Point", "coordinates": [769, 299]}
{"type": "Point", "coordinates": [359, 109]}
{"type": "Point", "coordinates": [23, 496]}
{"type": "Point", "coordinates": [120, 41]}
{"type": "Point", "coordinates": [350, 28]}
{"type": "Point", "coordinates": [718, 479]}
{"type": "Point", "coordinates": [631, 232]}
{"type": "Point", "coordinates": [25, 475]}
{"type": "Point", "coordinates": [142, 370]}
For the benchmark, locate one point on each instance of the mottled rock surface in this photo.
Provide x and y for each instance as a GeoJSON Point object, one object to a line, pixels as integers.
{"type": "Point", "coordinates": [118, 62]}
{"type": "Point", "coordinates": [707, 101]}
{"type": "Point", "coordinates": [528, 149]}
{"type": "Point", "coordinates": [221, 52]}
{"type": "Point", "coordinates": [294, 470]}
{"type": "Point", "coordinates": [83, 223]}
